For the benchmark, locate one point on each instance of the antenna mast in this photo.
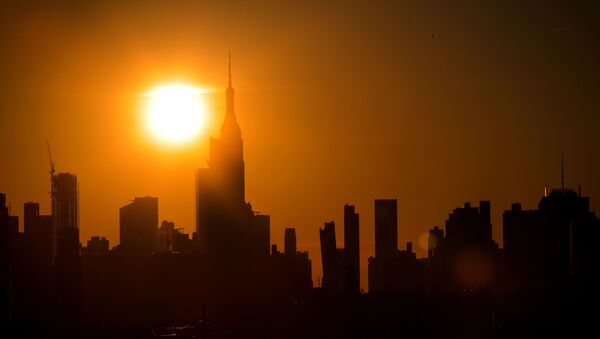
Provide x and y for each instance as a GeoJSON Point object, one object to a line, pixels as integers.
{"type": "Point", "coordinates": [562, 171]}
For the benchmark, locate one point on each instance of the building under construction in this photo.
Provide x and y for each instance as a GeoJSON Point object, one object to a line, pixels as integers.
{"type": "Point", "coordinates": [65, 210]}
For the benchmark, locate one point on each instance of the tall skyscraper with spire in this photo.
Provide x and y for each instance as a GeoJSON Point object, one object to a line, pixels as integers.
{"type": "Point", "coordinates": [223, 217]}
{"type": "Point", "coordinates": [227, 152]}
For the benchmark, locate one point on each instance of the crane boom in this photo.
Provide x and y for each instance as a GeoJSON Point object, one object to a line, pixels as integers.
{"type": "Point", "coordinates": [50, 158]}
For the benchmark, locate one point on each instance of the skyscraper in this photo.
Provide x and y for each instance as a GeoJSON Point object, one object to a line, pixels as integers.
{"type": "Point", "coordinates": [31, 211]}
{"type": "Point", "coordinates": [65, 224]}
{"type": "Point", "coordinates": [470, 226]}
{"type": "Point", "coordinates": [470, 254]}
{"type": "Point", "coordinates": [38, 258]}
{"type": "Point", "coordinates": [386, 228]}
{"type": "Point", "coordinates": [351, 248]}
{"type": "Point", "coordinates": [138, 224]}
{"type": "Point", "coordinates": [9, 230]}
{"type": "Point", "coordinates": [261, 235]}
{"type": "Point", "coordinates": [554, 246]}
{"type": "Point", "coordinates": [290, 242]}
{"type": "Point", "coordinates": [38, 234]}
{"type": "Point", "coordinates": [97, 245]}
{"type": "Point", "coordinates": [436, 235]}
{"type": "Point", "coordinates": [223, 218]}
{"type": "Point", "coordinates": [333, 270]}
{"type": "Point", "coordinates": [227, 153]}
{"type": "Point", "coordinates": [65, 212]}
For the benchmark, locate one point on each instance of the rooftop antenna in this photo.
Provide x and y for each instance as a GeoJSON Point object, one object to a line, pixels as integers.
{"type": "Point", "coordinates": [562, 171]}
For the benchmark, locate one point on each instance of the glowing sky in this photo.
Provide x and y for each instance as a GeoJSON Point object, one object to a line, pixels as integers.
{"type": "Point", "coordinates": [431, 103]}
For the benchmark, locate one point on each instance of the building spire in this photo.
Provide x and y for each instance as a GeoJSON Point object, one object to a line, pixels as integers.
{"type": "Point", "coordinates": [229, 68]}
{"type": "Point", "coordinates": [230, 125]}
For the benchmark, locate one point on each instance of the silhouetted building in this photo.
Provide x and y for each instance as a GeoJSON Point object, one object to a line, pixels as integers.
{"type": "Point", "coordinates": [31, 211]}
{"type": "Point", "coordinates": [138, 224]}
{"type": "Point", "coordinates": [260, 235]}
{"type": "Point", "coordinates": [9, 230]}
{"type": "Point", "coordinates": [351, 249]}
{"type": "Point", "coordinates": [470, 225]}
{"type": "Point", "coordinates": [3, 207]}
{"type": "Point", "coordinates": [65, 211]}
{"type": "Point", "coordinates": [551, 248]}
{"type": "Point", "coordinates": [572, 235]}
{"type": "Point", "coordinates": [65, 223]}
{"type": "Point", "coordinates": [223, 218]}
{"type": "Point", "coordinates": [290, 242]}
{"type": "Point", "coordinates": [38, 236]}
{"type": "Point", "coordinates": [436, 236]}
{"type": "Point", "coordinates": [525, 248]}
{"type": "Point", "coordinates": [171, 239]}
{"type": "Point", "coordinates": [36, 279]}
{"type": "Point", "coordinates": [97, 246]}
{"type": "Point", "coordinates": [294, 267]}
{"type": "Point", "coordinates": [386, 228]}
{"type": "Point", "coordinates": [467, 260]}
{"type": "Point", "coordinates": [402, 274]}
{"type": "Point", "coordinates": [332, 260]}
{"type": "Point", "coordinates": [392, 272]}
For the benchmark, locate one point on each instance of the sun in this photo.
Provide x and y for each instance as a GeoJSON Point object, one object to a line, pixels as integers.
{"type": "Point", "coordinates": [175, 113]}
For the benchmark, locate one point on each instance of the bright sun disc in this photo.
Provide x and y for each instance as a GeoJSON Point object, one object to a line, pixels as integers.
{"type": "Point", "coordinates": [175, 113]}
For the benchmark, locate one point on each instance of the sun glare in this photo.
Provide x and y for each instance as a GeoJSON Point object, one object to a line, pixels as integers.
{"type": "Point", "coordinates": [175, 113]}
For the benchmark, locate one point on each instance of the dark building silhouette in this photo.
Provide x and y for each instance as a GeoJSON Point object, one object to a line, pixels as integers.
{"type": "Point", "coordinates": [260, 235]}
{"type": "Point", "coordinates": [525, 248]}
{"type": "Point", "coordinates": [172, 239]}
{"type": "Point", "coordinates": [386, 228]}
{"type": "Point", "coordinates": [226, 270]}
{"type": "Point", "coordinates": [290, 242]}
{"type": "Point", "coordinates": [224, 219]}
{"type": "Point", "coordinates": [229, 281]}
{"type": "Point", "coordinates": [9, 231]}
{"type": "Point", "coordinates": [470, 225]}
{"type": "Point", "coordinates": [97, 245]}
{"type": "Point", "coordinates": [65, 223]}
{"type": "Point", "coordinates": [36, 260]}
{"type": "Point", "coordinates": [64, 196]}
{"type": "Point", "coordinates": [294, 266]}
{"type": "Point", "coordinates": [31, 212]}
{"type": "Point", "coordinates": [138, 224]}
{"type": "Point", "coordinates": [551, 248]}
{"type": "Point", "coordinates": [383, 270]}
{"type": "Point", "coordinates": [351, 249]}
{"type": "Point", "coordinates": [392, 271]}
{"type": "Point", "coordinates": [572, 233]}
{"type": "Point", "coordinates": [341, 267]}
{"type": "Point", "coordinates": [38, 236]}
{"type": "Point", "coordinates": [436, 236]}
{"type": "Point", "coordinates": [332, 261]}
{"type": "Point", "coordinates": [466, 260]}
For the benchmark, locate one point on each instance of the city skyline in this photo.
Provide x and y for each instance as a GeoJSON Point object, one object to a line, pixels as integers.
{"type": "Point", "coordinates": [231, 129]}
{"type": "Point", "coordinates": [299, 169]}
{"type": "Point", "coordinates": [431, 109]}
{"type": "Point", "coordinates": [366, 249]}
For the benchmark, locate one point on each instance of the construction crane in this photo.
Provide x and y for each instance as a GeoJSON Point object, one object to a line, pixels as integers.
{"type": "Point", "coordinates": [50, 158]}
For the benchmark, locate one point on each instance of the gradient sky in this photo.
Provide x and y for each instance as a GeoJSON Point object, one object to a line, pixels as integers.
{"type": "Point", "coordinates": [433, 103]}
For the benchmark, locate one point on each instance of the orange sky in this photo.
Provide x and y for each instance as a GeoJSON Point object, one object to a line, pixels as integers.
{"type": "Point", "coordinates": [432, 104]}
